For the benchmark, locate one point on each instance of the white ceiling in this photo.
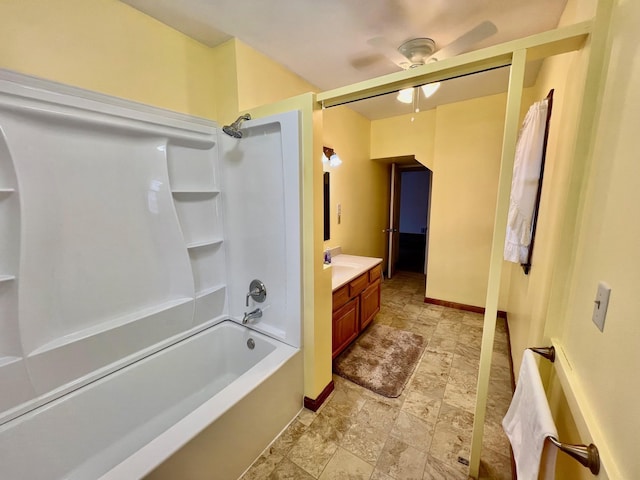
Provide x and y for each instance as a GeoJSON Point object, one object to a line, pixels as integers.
{"type": "Point", "coordinates": [321, 40]}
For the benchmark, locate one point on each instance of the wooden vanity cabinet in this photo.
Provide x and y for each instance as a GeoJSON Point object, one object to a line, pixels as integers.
{"type": "Point", "coordinates": [355, 305]}
{"type": "Point", "coordinates": [370, 299]}
{"type": "Point", "coordinates": [346, 325]}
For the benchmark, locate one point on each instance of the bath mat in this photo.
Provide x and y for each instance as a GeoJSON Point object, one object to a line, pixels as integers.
{"type": "Point", "coordinates": [382, 359]}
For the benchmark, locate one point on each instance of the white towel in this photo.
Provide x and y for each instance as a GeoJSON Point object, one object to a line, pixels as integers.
{"type": "Point", "coordinates": [524, 186]}
{"type": "Point", "coordinates": [529, 422]}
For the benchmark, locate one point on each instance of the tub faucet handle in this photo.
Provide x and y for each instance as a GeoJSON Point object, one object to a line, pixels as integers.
{"type": "Point", "coordinates": [257, 291]}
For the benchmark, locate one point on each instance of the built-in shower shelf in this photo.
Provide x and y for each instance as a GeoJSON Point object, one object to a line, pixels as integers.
{"type": "Point", "coordinates": [6, 278]}
{"type": "Point", "coordinates": [7, 360]}
{"type": "Point", "coordinates": [6, 191]}
{"type": "Point", "coordinates": [209, 291]}
{"type": "Point", "coordinates": [204, 243]}
{"type": "Point", "coordinates": [200, 191]}
{"type": "Point", "coordinates": [210, 304]}
{"type": "Point", "coordinates": [109, 325]}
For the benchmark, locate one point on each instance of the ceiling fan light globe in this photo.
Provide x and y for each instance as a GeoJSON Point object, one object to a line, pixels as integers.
{"type": "Point", "coordinates": [430, 88]}
{"type": "Point", "coordinates": [405, 95]}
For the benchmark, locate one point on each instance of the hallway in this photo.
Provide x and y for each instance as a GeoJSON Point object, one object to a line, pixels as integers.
{"type": "Point", "coordinates": [358, 434]}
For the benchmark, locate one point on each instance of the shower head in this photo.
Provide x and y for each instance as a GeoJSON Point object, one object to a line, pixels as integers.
{"type": "Point", "coordinates": [233, 130]}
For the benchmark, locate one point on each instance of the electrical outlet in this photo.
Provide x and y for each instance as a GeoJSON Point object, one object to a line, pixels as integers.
{"type": "Point", "coordinates": [600, 305]}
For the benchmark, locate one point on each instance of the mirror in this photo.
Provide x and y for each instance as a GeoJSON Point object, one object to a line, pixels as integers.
{"type": "Point", "coordinates": [327, 215]}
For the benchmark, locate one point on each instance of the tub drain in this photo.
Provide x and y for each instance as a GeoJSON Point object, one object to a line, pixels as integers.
{"type": "Point", "coordinates": [251, 344]}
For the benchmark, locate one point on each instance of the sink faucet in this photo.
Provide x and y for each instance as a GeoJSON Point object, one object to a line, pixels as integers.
{"type": "Point", "coordinates": [257, 313]}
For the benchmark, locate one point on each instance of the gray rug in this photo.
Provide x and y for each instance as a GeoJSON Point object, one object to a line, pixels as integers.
{"type": "Point", "coordinates": [382, 359]}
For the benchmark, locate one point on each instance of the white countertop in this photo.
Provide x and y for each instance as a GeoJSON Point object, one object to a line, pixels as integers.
{"type": "Point", "coordinates": [345, 268]}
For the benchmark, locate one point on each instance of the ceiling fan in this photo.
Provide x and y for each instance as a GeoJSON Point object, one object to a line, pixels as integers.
{"type": "Point", "coordinates": [418, 51]}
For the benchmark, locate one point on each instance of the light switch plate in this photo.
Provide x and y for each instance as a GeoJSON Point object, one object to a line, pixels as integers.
{"type": "Point", "coordinates": [600, 305]}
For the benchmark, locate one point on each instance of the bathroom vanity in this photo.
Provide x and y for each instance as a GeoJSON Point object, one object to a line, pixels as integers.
{"type": "Point", "coordinates": [356, 297]}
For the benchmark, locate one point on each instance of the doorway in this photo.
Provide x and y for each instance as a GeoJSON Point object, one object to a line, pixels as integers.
{"type": "Point", "coordinates": [415, 195]}
{"type": "Point", "coordinates": [407, 235]}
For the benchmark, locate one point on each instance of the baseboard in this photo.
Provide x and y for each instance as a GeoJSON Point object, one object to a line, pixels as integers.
{"type": "Point", "coordinates": [461, 306]}
{"type": "Point", "coordinates": [314, 405]}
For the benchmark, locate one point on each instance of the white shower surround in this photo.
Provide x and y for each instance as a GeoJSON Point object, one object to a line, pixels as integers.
{"type": "Point", "coordinates": [126, 229]}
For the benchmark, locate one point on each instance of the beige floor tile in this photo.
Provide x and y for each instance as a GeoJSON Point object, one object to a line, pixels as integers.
{"type": "Point", "coordinates": [346, 403]}
{"type": "Point", "coordinates": [262, 467]}
{"type": "Point", "coordinates": [287, 438]}
{"type": "Point", "coordinates": [378, 415]}
{"type": "Point", "coordinates": [428, 383]}
{"type": "Point", "coordinates": [413, 309]}
{"type": "Point", "coordinates": [378, 475]}
{"type": "Point", "coordinates": [360, 434]}
{"type": "Point", "coordinates": [437, 470]}
{"type": "Point", "coordinates": [364, 441]}
{"type": "Point", "coordinates": [448, 445]}
{"type": "Point", "coordinates": [494, 466]}
{"type": "Point", "coordinates": [442, 343]}
{"type": "Point", "coordinates": [437, 363]}
{"type": "Point", "coordinates": [306, 416]}
{"type": "Point", "coordinates": [463, 362]}
{"type": "Point", "coordinates": [413, 431]}
{"type": "Point", "coordinates": [495, 438]}
{"type": "Point", "coordinates": [453, 314]}
{"type": "Point", "coordinates": [467, 350]}
{"type": "Point", "coordinates": [401, 461]}
{"type": "Point", "coordinates": [312, 452]}
{"type": "Point", "coordinates": [422, 406]}
{"type": "Point", "coordinates": [461, 389]}
{"type": "Point", "coordinates": [455, 418]}
{"type": "Point", "coordinates": [287, 470]}
{"type": "Point", "coordinates": [434, 311]}
{"type": "Point", "coordinates": [346, 466]}
{"type": "Point", "coordinates": [331, 425]}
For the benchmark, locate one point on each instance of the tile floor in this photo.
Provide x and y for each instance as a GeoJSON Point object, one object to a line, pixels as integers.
{"type": "Point", "coordinates": [357, 434]}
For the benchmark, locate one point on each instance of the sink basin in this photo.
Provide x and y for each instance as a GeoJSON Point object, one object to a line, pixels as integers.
{"type": "Point", "coordinates": [342, 269]}
{"type": "Point", "coordinates": [346, 265]}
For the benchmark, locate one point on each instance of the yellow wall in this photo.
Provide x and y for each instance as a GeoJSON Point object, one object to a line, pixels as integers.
{"type": "Point", "coordinates": [529, 294]}
{"type": "Point", "coordinates": [606, 249]}
{"type": "Point", "coordinates": [465, 179]}
{"type": "Point", "coordinates": [359, 185]}
{"type": "Point", "coordinates": [108, 47]}
{"type": "Point", "coordinates": [262, 81]}
{"type": "Point", "coordinates": [589, 233]}
{"type": "Point", "coordinates": [461, 144]}
{"type": "Point", "coordinates": [399, 136]}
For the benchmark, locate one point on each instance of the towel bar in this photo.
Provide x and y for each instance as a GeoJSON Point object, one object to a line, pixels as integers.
{"type": "Point", "coordinates": [547, 352]}
{"type": "Point", "coordinates": [587, 455]}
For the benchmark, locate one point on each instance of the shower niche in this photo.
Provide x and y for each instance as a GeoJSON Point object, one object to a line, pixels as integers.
{"type": "Point", "coordinates": [122, 231]}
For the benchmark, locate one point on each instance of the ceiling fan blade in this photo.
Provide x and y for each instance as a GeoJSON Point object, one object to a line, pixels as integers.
{"type": "Point", "coordinates": [389, 51]}
{"type": "Point", "coordinates": [366, 61]}
{"type": "Point", "coordinates": [466, 41]}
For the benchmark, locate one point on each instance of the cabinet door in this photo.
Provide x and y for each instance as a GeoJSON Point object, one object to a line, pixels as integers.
{"type": "Point", "coordinates": [370, 304]}
{"type": "Point", "coordinates": [345, 325]}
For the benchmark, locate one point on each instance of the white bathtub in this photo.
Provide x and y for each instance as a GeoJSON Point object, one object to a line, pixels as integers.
{"type": "Point", "coordinates": [209, 393]}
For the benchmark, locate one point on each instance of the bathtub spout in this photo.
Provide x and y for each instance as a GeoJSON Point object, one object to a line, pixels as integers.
{"type": "Point", "coordinates": [257, 313]}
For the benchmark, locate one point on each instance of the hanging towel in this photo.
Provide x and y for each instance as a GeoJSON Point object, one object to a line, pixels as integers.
{"type": "Point", "coordinates": [529, 422]}
{"type": "Point", "coordinates": [524, 185]}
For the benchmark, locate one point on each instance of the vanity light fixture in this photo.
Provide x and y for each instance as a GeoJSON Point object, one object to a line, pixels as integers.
{"type": "Point", "coordinates": [406, 95]}
{"type": "Point", "coordinates": [331, 157]}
